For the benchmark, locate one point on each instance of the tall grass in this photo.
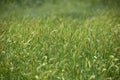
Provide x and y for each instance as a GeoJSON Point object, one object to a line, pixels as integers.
{"type": "Point", "coordinates": [60, 45]}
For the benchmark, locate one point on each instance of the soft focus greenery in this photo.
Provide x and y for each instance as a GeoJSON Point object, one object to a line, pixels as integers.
{"type": "Point", "coordinates": [59, 40]}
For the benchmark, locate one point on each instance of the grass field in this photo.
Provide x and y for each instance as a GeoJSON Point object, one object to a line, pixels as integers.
{"type": "Point", "coordinates": [59, 40]}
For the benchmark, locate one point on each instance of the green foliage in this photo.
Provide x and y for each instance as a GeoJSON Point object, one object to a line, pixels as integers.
{"type": "Point", "coordinates": [75, 40]}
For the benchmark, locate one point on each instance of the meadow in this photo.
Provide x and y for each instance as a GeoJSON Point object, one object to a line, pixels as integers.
{"type": "Point", "coordinates": [59, 40]}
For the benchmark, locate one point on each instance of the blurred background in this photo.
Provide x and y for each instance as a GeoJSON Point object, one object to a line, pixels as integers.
{"type": "Point", "coordinates": [69, 8]}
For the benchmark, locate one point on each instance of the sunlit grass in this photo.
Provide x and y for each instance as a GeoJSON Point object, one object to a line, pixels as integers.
{"type": "Point", "coordinates": [60, 47]}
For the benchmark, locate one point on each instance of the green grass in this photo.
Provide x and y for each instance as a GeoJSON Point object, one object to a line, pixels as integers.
{"type": "Point", "coordinates": [78, 42]}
